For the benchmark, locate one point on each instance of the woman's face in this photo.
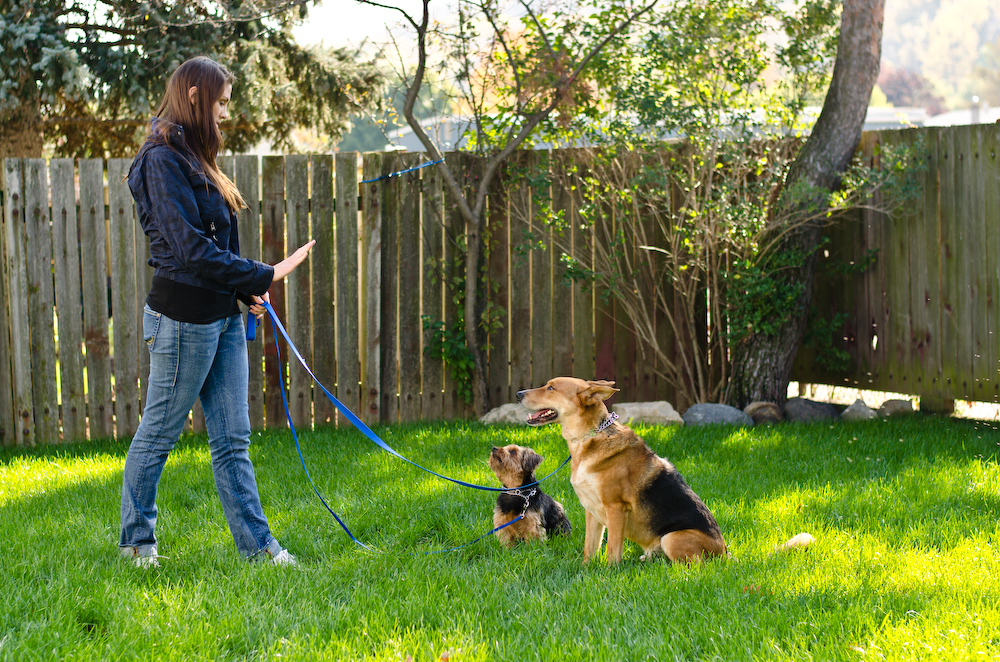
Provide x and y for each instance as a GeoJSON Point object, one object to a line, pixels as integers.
{"type": "Point", "coordinates": [220, 109]}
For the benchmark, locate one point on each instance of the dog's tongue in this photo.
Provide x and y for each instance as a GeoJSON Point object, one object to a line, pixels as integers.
{"type": "Point", "coordinates": [540, 416]}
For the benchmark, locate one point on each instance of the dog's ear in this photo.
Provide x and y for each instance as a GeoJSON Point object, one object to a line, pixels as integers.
{"type": "Point", "coordinates": [597, 391]}
{"type": "Point", "coordinates": [530, 461]}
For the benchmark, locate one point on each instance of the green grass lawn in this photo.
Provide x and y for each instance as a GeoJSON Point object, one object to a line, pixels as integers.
{"type": "Point", "coordinates": [905, 566]}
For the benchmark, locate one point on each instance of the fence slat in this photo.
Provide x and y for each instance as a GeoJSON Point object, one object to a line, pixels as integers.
{"type": "Point", "coordinates": [454, 270]}
{"type": "Point", "coordinates": [371, 288]}
{"type": "Point", "coordinates": [520, 207]}
{"type": "Point", "coordinates": [298, 298]}
{"type": "Point", "coordinates": [990, 191]}
{"type": "Point", "coordinates": [562, 293]}
{"type": "Point", "coordinates": [41, 301]}
{"type": "Point", "coordinates": [498, 290]}
{"type": "Point", "coordinates": [583, 295]}
{"type": "Point", "coordinates": [432, 237]}
{"type": "Point", "coordinates": [409, 291]}
{"type": "Point", "coordinates": [272, 252]}
{"type": "Point", "coordinates": [8, 418]}
{"type": "Point", "coordinates": [246, 175]}
{"type": "Point", "coordinates": [323, 269]}
{"type": "Point", "coordinates": [542, 367]}
{"type": "Point", "coordinates": [66, 246]}
{"type": "Point", "coordinates": [17, 274]}
{"type": "Point", "coordinates": [96, 333]}
{"type": "Point", "coordinates": [123, 292]}
{"type": "Point", "coordinates": [391, 211]}
{"type": "Point", "coordinates": [977, 263]}
{"type": "Point", "coordinates": [348, 312]}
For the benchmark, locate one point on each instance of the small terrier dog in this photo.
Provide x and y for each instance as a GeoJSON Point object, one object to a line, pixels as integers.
{"type": "Point", "coordinates": [515, 467]}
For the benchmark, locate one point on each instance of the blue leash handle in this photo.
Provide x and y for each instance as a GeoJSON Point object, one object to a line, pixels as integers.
{"type": "Point", "coordinates": [251, 335]}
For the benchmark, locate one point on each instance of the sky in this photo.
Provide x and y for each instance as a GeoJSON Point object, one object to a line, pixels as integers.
{"type": "Point", "coordinates": [338, 23]}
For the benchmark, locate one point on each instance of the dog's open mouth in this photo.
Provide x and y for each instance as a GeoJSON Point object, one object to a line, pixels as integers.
{"type": "Point", "coordinates": [542, 417]}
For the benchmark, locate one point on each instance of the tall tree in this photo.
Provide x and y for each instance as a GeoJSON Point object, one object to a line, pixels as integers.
{"type": "Point", "coordinates": [83, 75]}
{"type": "Point", "coordinates": [516, 81]}
{"type": "Point", "coordinates": [762, 363]}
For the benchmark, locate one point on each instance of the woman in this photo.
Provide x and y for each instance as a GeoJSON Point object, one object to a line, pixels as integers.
{"type": "Point", "coordinates": [192, 323]}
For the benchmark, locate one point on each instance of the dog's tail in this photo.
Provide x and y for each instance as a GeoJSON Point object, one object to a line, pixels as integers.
{"type": "Point", "coordinates": [798, 541]}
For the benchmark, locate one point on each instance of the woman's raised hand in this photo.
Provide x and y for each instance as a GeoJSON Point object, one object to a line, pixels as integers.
{"type": "Point", "coordinates": [288, 265]}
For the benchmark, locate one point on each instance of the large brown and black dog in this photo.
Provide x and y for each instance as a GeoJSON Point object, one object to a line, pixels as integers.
{"type": "Point", "coordinates": [621, 483]}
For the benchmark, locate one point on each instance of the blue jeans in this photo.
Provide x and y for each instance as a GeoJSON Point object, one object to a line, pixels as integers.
{"type": "Point", "coordinates": [188, 361]}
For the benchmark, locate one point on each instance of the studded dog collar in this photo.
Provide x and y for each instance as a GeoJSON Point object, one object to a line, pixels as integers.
{"type": "Point", "coordinates": [612, 417]}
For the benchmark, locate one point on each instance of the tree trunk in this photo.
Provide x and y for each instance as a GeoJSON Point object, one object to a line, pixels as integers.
{"type": "Point", "coordinates": [762, 365]}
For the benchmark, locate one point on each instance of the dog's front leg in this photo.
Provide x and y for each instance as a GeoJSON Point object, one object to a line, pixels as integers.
{"type": "Point", "coordinates": [593, 537]}
{"type": "Point", "coordinates": [616, 532]}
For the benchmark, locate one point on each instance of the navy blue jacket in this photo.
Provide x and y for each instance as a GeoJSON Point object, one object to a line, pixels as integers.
{"type": "Point", "coordinates": [193, 234]}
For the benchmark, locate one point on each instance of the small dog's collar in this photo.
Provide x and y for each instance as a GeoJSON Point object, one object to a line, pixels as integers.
{"type": "Point", "coordinates": [612, 417]}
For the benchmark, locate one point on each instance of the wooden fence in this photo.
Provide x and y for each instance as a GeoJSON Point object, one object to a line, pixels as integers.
{"type": "Point", "coordinates": [75, 278]}
{"type": "Point", "coordinates": [921, 320]}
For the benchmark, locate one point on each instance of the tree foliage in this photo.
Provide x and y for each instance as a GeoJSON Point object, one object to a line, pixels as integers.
{"type": "Point", "coordinates": [523, 70]}
{"type": "Point", "coordinates": [697, 257]}
{"type": "Point", "coordinates": [83, 75]}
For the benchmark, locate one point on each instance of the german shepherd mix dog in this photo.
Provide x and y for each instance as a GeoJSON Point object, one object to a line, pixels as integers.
{"type": "Point", "coordinates": [622, 484]}
{"type": "Point", "coordinates": [514, 466]}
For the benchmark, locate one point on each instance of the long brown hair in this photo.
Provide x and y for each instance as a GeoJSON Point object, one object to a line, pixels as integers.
{"type": "Point", "coordinates": [201, 136]}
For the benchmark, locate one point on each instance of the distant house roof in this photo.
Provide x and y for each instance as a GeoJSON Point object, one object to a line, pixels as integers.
{"type": "Point", "coordinates": [446, 131]}
{"type": "Point", "coordinates": [981, 115]}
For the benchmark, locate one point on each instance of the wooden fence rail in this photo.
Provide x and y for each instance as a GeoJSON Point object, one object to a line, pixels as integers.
{"type": "Point", "coordinates": [921, 319]}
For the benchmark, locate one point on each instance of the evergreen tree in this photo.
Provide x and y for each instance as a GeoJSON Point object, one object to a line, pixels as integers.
{"type": "Point", "coordinates": [84, 75]}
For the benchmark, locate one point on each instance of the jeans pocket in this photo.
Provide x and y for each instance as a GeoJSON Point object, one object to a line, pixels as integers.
{"type": "Point", "coordinates": [150, 325]}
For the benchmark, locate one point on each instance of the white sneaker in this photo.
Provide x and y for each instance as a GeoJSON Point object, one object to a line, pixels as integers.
{"type": "Point", "coordinates": [284, 558]}
{"type": "Point", "coordinates": [144, 557]}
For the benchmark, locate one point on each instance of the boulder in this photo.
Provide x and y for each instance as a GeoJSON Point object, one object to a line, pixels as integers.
{"type": "Point", "coordinates": [859, 411]}
{"type": "Point", "coordinates": [891, 408]}
{"type": "Point", "coordinates": [764, 413]}
{"type": "Point", "coordinates": [659, 412]}
{"type": "Point", "coordinates": [801, 409]}
{"type": "Point", "coordinates": [708, 413]}
{"type": "Point", "coordinates": [508, 413]}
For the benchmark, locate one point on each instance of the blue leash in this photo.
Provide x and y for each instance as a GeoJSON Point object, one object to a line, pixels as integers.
{"type": "Point", "coordinates": [368, 432]}
{"type": "Point", "coordinates": [402, 172]}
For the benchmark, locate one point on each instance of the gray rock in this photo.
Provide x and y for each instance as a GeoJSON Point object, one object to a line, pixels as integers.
{"type": "Point", "coordinates": [859, 411]}
{"type": "Point", "coordinates": [508, 413]}
{"type": "Point", "coordinates": [659, 412]}
{"type": "Point", "coordinates": [708, 413]}
{"type": "Point", "coordinates": [801, 409]}
{"type": "Point", "coordinates": [891, 408]}
{"type": "Point", "coordinates": [764, 413]}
